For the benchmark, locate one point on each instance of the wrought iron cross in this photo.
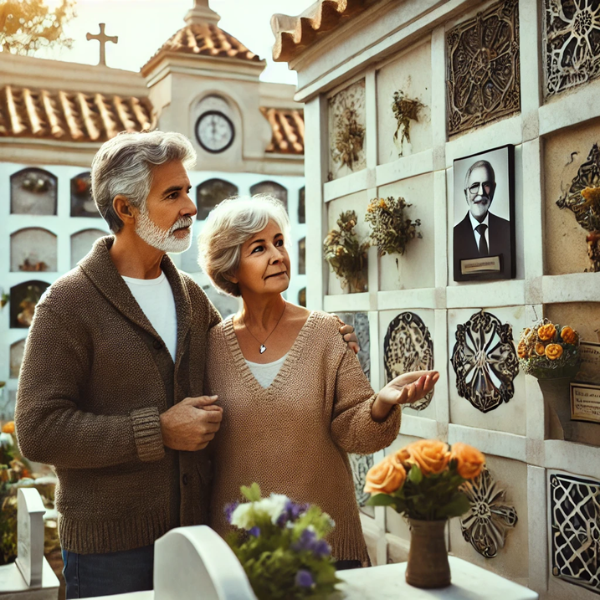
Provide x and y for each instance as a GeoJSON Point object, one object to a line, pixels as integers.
{"type": "Point", "coordinates": [103, 38]}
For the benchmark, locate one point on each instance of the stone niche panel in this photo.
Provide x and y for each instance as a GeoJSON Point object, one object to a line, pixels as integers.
{"type": "Point", "coordinates": [571, 43]}
{"type": "Point", "coordinates": [357, 202]}
{"type": "Point", "coordinates": [347, 131]}
{"type": "Point", "coordinates": [302, 205]}
{"type": "Point", "coordinates": [82, 203]}
{"type": "Point", "coordinates": [272, 189]}
{"type": "Point", "coordinates": [416, 267]}
{"type": "Point", "coordinates": [33, 192]}
{"type": "Point", "coordinates": [23, 300]}
{"type": "Point", "coordinates": [504, 402]}
{"type": "Point", "coordinates": [404, 105]}
{"type": "Point", "coordinates": [209, 193]}
{"type": "Point", "coordinates": [16, 358]}
{"type": "Point", "coordinates": [407, 345]}
{"type": "Point", "coordinates": [482, 68]}
{"type": "Point", "coordinates": [574, 517]}
{"type": "Point", "coordinates": [566, 153]}
{"type": "Point", "coordinates": [82, 242]}
{"type": "Point", "coordinates": [495, 514]}
{"type": "Point", "coordinates": [33, 249]}
{"type": "Point", "coordinates": [8, 401]}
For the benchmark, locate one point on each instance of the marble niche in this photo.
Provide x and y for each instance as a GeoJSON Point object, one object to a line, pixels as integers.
{"type": "Point", "coordinates": [210, 193]}
{"type": "Point", "coordinates": [33, 249]}
{"type": "Point", "coordinates": [33, 192]}
{"type": "Point", "coordinates": [82, 242]}
{"type": "Point", "coordinates": [302, 205]}
{"type": "Point", "coordinates": [82, 203]}
{"type": "Point", "coordinates": [272, 189]}
{"type": "Point", "coordinates": [16, 358]}
{"type": "Point", "coordinates": [23, 300]}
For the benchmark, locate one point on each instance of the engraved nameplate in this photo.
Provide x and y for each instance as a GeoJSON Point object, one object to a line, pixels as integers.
{"type": "Point", "coordinates": [480, 265]}
{"type": "Point", "coordinates": [585, 402]}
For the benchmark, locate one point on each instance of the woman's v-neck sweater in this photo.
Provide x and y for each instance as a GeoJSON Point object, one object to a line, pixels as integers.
{"type": "Point", "coordinates": [292, 437]}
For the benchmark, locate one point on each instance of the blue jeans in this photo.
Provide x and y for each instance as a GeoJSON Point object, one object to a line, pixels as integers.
{"type": "Point", "coordinates": [90, 575]}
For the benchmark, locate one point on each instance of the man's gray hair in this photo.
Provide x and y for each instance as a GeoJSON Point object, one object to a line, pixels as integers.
{"type": "Point", "coordinates": [229, 225]}
{"type": "Point", "coordinates": [123, 166]}
{"type": "Point", "coordinates": [479, 163]}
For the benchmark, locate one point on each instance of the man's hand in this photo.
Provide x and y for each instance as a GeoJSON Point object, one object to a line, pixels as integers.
{"type": "Point", "coordinates": [191, 424]}
{"type": "Point", "coordinates": [347, 332]}
{"type": "Point", "coordinates": [405, 389]}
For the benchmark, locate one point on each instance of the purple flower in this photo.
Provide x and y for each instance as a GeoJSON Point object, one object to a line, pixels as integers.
{"type": "Point", "coordinates": [304, 579]}
{"type": "Point", "coordinates": [255, 531]}
{"type": "Point", "coordinates": [229, 508]}
{"type": "Point", "coordinates": [306, 541]}
{"type": "Point", "coordinates": [321, 548]}
{"type": "Point", "coordinates": [291, 512]}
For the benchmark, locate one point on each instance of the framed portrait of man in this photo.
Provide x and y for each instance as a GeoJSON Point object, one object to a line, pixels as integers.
{"type": "Point", "coordinates": [484, 210]}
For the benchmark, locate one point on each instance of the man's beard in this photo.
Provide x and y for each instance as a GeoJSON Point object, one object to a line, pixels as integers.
{"type": "Point", "coordinates": [163, 239]}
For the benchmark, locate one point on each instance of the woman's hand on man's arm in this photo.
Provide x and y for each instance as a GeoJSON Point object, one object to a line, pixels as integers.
{"type": "Point", "coordinates": [405, 389]}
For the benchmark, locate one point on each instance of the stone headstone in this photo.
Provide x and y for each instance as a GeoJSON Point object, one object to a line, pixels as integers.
{"type": "Point", "coordinates": [30, 548]}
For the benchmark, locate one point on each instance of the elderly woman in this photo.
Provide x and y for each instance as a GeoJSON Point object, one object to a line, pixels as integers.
{"type": "Point", "coordinates": [294, 397]}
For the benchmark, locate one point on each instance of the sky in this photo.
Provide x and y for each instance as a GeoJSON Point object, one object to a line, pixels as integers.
{"type": "Point", "coordinates": [144, 25]}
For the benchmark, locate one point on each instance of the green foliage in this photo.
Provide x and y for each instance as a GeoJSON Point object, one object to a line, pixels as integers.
{"type": "Point", "coordinates": [344, 252]}
{"type": "Point", "coordinates": [428, 498]}
{"type": "Point", "coordinates": [273, 554]}
{"type": "Point", "coordinates": [27, 25]}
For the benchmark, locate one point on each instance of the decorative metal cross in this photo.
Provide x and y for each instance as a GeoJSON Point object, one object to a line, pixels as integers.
{"type": "Point", "coordinates": [103, 38]}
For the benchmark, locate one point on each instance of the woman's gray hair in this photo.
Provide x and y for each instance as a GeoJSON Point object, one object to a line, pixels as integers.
{"type": "Point", "coordinates": [123, 165]}
{"type": "Point", "coordinates": [229, 225]}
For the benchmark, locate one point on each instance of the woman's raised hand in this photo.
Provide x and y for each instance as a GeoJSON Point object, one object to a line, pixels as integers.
{"type": "Point", "coordinates": [409, 387]}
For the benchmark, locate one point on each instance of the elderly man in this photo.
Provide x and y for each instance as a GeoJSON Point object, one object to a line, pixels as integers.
{"type": "Point", "coordinates": [481, 233]}
{"type": "Point", "coordinates": [111, 386]}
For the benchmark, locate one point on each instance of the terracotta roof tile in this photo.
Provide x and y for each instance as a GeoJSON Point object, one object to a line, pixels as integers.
{"type": "Point", "coordinates": [294, 34]}
{"type": "Point", "coordinates": [207, 40]}
{"type": "Point", "coordinates": [70, 116]}
{"type": "Point", "coordinates": [288, 130]}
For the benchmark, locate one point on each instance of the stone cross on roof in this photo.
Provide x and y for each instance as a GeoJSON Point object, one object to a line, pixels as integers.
{"type": "Point", "coordinates": [102, 38]}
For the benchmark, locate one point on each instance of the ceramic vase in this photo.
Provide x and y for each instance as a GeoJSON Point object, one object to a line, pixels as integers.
{"type": "Point", "coordinates": [428, 565]}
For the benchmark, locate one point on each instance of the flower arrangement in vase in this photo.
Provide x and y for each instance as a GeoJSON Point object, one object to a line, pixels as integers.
{"type": "Point", "coordinates": [281, 546]}
{"type": "Point", "coordinates": [549, 351]}
{"type": "Point", "coordinates": [346, 254]}
{"type": "Point", "coordinates": [391, 229]}
{"type": "Point", "coordinates": [423, 481]}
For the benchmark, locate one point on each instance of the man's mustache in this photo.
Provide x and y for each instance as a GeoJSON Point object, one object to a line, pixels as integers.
{"type": "Point", "coordinates": [181, 223]}
{"type": "Point", "coordinates": [481, 199]}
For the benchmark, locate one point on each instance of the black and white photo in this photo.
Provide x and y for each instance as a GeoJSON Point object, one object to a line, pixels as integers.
{"type": "Point", "coordinates": [483, 236]}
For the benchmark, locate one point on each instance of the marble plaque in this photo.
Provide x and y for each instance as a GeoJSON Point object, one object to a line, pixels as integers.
{"type": "Point", "coordinates": [590, 363]}
{"type": "Point", "coordinates": [585, 402]}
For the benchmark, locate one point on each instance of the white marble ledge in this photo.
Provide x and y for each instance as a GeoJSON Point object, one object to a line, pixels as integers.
{"type": "Point", "coordinates": [13, 586]}
{"type": "Point", "coordinates": [387, 582]}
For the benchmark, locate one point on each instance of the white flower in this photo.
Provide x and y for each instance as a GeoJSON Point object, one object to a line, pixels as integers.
{"type": "Point", "coordinates": [274, 505]}
{"type": "Point", "coordinates": [244, 516]}
{"type": "Point", "coordinates": [6, 440]}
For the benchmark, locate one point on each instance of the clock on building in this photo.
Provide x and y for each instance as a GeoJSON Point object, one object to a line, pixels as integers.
{"type": "Point", "coordinates": [214, 131]}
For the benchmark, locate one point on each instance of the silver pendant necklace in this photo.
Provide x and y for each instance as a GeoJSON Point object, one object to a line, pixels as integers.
{"type": "Point", "coordinates": [263, 348]}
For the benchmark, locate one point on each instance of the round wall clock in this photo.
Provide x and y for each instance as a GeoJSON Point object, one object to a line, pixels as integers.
{"type": "Point", "coordinates": [214, 131]}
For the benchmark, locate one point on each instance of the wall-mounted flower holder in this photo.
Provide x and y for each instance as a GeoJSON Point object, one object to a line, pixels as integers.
{"type": "Point", "coordinates": [346, 254]}
{"type": "Point", "coordinates": [391, 228]}
{"type": "Point", "coordinates": [405, 110]}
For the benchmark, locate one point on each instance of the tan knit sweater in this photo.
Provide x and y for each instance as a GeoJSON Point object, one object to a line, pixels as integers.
{"type": "Point", "coordinates": [94, 379]}
{"type": "Point", "coordinates": [292, 438]}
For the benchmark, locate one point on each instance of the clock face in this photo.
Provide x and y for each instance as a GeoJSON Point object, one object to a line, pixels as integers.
{"type": "Point", "coordinates": [214, 131]}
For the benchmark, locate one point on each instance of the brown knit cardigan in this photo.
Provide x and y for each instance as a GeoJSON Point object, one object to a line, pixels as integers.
{"type": "Point", "coordinates": [94, 379]}
{"type": "Point", "coordinates": [292, 438]}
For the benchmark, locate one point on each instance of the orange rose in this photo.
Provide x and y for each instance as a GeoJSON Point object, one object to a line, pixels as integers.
{"type": "Point", "coordinates": [546, 332]}
{"type": "Point", "coordinates": [9, 427]}
{"type": "Point", "coordinates": [540, 349]}
{"type": "Point", "coordinates": [386, 477]}
{"type": "Point", "coordinates": [568, 335]}
{"type": "Point", "coordinates": [431, 456]}
{"type": "Point", "coordinates": [469, 461]}
{"type": "Point", "coordinates": [554, 351]}
{"type": "Point", "coordinates": [522, 350]}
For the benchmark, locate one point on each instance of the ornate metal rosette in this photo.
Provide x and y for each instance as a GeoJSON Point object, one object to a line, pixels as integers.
{"type": "Point", "coordinates": [408, 347]}
{"type": "Point", "coordinates": [571, 42]}
{"type": "Point", "coordinates": [485, 361]}
{"type": "Point", "coordinates": [588, 175]}
{"type": "Point", "coordinates": [483, 74]}
{"type": "Point", "coordinates": [486, 524]}
{"type": "Point", "coordinates": [360, 466]}
{"type": "Point", "coordinates": [575, 525]}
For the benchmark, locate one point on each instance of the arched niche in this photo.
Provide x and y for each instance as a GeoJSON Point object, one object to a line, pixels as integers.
{"type": "Point", "coordinates": [82, 203]}
{"type": "Point", "coordinates": [302, 257]}
{"type": "Point", "coordinates": [210, 193]}
{"type": "Point", "coordinates": [302, 297]}
{"type": "Point", "coordinates": [82, 242]}
{"type": "Point", "coordinates": [271, 188]}
{"type": "Point", "coordinates": [23, 300]}
{"type": "Point", "coordinates": [33, 249]}
{"type": "Point", "coordinates": [33, 191]}
{"type": "Point", "coordinates": [16, 358]}
{"type": "Point", "coordinates": [302, 205]}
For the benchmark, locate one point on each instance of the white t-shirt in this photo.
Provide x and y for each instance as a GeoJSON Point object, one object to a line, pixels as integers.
{"type": "Point", "coordinates": [265, 374]}
{"type": "Point", "coordinates": [155, 298]}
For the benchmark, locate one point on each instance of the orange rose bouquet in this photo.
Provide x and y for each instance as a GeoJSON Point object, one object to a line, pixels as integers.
{"type": "Point", "coordinates": [423, 480]}
{"type": "Point", "coordinates": [548, 351]}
